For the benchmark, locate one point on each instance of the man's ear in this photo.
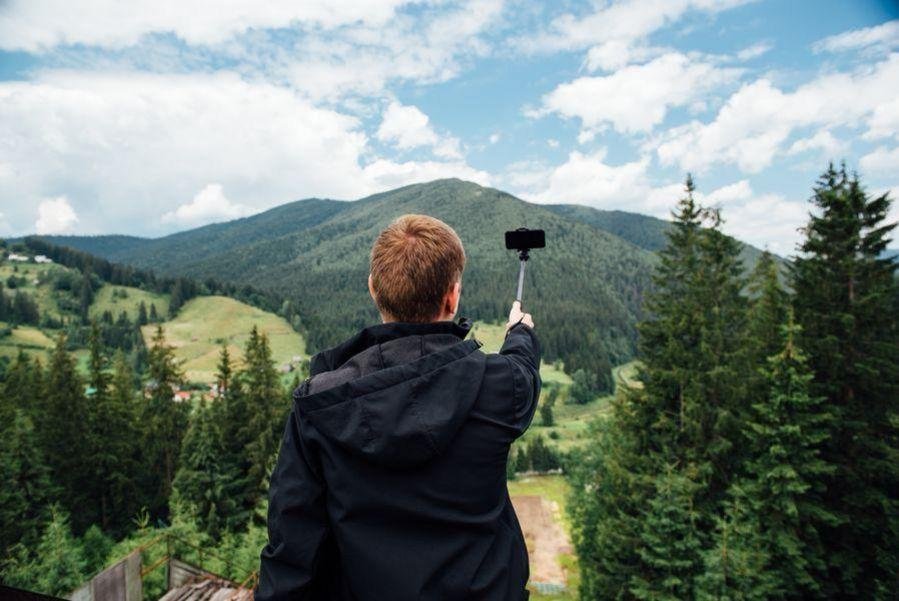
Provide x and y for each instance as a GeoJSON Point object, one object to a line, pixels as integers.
{"type": "Point", "coordinates": [452, 299]}
{"type": "Point", "coordinates": [371, 290]}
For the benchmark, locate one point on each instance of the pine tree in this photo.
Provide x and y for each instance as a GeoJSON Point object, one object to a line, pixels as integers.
{"type": "Point", "coordinates": [767, 310]}
{"type": "Point", "coordinates": [58, 566]}
{"type": "Point", "coordinates": [165, 419]}
{"type": "Point", "coordinates": [670, 545]}
{"type": "Point", "coordinates": [200, 483]}
{"type": "Point", "coordinates": [142, 318]}
{"type": "Point", "coordinates": [231, 416]}
{"type": "Point", "coordinates": [63, 417]}
{"type": "Point", "coordinates": [844, 301]}
{"type": "Point", "coordinates": [737, 568]}
{"type": "Point", "coordinates": [522, 464]}
{"type": "Point", "coordinates": [224, 371]}
{"type": "Point", "coordinates": [27, 489]}
{"type": "Point", "coordinates": [154, 316]}
{"type": "Point", "coordinates": [687, 414]}
{"type": "Point", "coordinates": [778, 507]}
{"type": "Point", "coordinates": [546, 408]}
{"type": "Point", "coordinates": [583, 387]}
{"type": "Point", "coordinates": [111, 444]}
{"type": "Point", "coordinates": [86, 297]}
{"type": "Point", "coordinates": [267, 403]}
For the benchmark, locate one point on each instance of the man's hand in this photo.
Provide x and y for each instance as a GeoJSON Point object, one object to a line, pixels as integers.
{"type": "Point", "coordinates": [516, 315]}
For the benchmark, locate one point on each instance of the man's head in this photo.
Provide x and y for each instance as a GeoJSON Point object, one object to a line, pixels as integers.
{"type": "Point", "coordinates": [416, 270]}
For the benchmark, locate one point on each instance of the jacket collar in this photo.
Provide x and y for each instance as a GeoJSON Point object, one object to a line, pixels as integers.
{"type": "Point", "coordinates": [336, 356]}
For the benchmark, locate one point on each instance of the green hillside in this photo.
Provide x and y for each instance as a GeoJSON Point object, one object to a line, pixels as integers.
{"type": "Point", "coordinates": [204, 324]}
{"type": "Point", "coordinates": [586, 286]}
{"type": "Point", "coordinates": [585, 289]}
{"type": "Point", "coordinates": [647, 232]}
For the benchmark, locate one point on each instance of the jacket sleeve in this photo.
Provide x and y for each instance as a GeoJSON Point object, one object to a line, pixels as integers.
{"type": "Point", "coordinates": [522, 350]}
{"type": "Point", "coordinates": [297, 523]}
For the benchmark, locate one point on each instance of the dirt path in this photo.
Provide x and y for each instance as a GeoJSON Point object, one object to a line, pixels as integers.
{"type": "Point", "coordinates": [544, 535]}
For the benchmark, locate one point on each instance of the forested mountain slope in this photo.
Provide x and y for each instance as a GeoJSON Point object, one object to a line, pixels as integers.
{"type": "Point", "coordinates": [586, 287]}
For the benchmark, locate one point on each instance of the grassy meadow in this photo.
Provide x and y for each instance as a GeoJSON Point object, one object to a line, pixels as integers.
{"type": "Point", "coordinates": [205, 323]}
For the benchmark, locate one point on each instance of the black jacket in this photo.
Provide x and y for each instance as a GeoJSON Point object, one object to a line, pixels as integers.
{"type": "Point", "coordinates": [391, 479]}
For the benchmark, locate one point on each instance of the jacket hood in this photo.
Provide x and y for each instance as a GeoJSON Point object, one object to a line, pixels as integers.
{"type": "Point", "coordinates": [395, 393]}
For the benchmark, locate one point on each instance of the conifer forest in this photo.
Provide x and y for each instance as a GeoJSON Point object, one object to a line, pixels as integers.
{"type": "Point", "coordinates": [752, 455]}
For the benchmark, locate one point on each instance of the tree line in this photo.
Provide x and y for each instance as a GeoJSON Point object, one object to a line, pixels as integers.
{"type": "Point", "coordinates": [757, 457]}
{"type": "Point", "coordinates": [94, 459]}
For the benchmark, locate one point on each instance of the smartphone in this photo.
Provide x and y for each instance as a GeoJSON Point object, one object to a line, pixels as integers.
{"type": "Point", "coordinates": [523, 239]}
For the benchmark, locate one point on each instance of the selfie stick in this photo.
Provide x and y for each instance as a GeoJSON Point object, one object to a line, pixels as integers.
{"type": "Point", "coordinates": [523, 240]}
{"type": "Point", "coordinates": [523, 257]}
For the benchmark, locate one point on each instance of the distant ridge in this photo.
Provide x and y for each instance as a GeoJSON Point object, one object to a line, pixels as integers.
{"type": "Point", "coordinates": [585, 289]}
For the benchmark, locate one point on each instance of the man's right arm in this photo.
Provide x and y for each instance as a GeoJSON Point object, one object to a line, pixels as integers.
{"type": "Point", "coordinates": [522, 350]}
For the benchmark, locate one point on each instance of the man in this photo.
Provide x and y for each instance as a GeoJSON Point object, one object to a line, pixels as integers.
{"type": "Point", "coordinates": [391, 479]}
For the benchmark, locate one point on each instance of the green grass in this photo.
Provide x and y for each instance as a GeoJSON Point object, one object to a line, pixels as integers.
{"type": "Point", "coordinates": [493, 335]}
{"type": "Point", "coordinates": [108, 298]}
{"type": "Point", "coordinates": [205, 323]}
{"type": "Point", "coordinates": [572, 420]}
{"type": "Point", "coordinates": [25, 338]}
{"type": "Point", "coordinates": [42, 292]}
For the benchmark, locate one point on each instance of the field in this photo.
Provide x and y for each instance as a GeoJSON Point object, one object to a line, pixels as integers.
{"type": "Point", "coordinates": [204, 324]}
{"type": "Point", "coordinates": [116, 299]}
{"type": "Point", "coordinates": [540, 505]}
{"type": "Point", "coordinates": [25, 338]}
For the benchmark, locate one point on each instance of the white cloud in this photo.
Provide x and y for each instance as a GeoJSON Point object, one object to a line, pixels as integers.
{"type": "Point", "coordinates": [209, 205]}
{"type": "Point", "coordinates": [587, 179]}
{"type": "Point", "coordinates": [625, 20]}
{"type": "Point", "coordinates": [616, 54]}
{"type": "Point", "coordinates": [766, 221]}
{"type": "Point", "coordinates": [55, 216]}
{"type": "Point", "coordinates": [879, 38]}
{"type": "Point", "coordinates": [759, 219]}
{"type": "Point", "coordinates": [884, 121]}
{"type": "Point", "coordinates": [406, 127]}
{"type": "Point", "coordinates": [823, 140]}
{"type": "Point", "coordinates": [726, 194]}
{"type": "Point", "coordinates": [384, 174]}
{"type": "Point", "coordinates": [552, 143]}
{"type": "Point", "coordinates": [37, 25]}
{"type": "Point", "coordinates": [756, 121]}
{"type": "Point", "coordinates": [494, 138]}
{"type": "Point", "coordinates": [635, 98]}
{"type": "Point", "coordinates": [754, 51]}
{"type": "Point", "coordinates": [126, 148]}
{"type": "Point", "coordinates": [430, 48]}
{"type": "Point", "coordinates": [881, 160]}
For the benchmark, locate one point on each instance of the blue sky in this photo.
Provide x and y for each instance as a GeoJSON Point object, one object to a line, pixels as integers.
{"type": "Point", "coordinates": [151, 117]}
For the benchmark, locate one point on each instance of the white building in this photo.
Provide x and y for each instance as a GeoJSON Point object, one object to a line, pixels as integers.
{"type": "Point", "coordinates": [15, 257]}
{"type": "Point", "coordinates": [42, 259]}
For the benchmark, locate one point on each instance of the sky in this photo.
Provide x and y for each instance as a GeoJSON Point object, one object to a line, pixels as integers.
{"type": "Point", "coordinates": [149, 117]}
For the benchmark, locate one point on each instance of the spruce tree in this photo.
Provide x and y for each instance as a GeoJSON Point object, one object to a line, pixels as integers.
{"type": "Point", "coordinates": [267, 403]}
{"type": "Point", "coordinates": [738, 567]}
{"type": "Point", "coordinates": [64, 425]}
{"type": "Point", "coordinates": [165, 418]}
{"type": "Point", "coordinates": [27, 489]}
{"type": "Point", "coordinates": [676, 437]}
{"type": "Point", "coordinates": [670, 546]}
{"type": "Point", "coordinates": [844, 301]}
{"type": "Point", "coordinates": [779, 509]}
{"type": "Point", "coordinates": [111, 444]}
{"type": "Point", "coordinates": [200, 483]}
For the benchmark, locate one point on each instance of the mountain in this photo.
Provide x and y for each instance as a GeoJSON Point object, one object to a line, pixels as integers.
{"type": "Point", "coordinates": [647, 232]}
{"type": "Point", "coordinates": [585, 289]}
